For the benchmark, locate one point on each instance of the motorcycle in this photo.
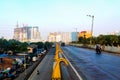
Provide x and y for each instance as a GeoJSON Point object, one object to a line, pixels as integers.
{"type": "Point", "coordinates": [98, 50]}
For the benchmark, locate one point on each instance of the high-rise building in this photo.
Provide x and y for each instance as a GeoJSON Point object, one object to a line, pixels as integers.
{"type": "Point", "coordinates": [17, 33]}
{"type": "Point", "coordinates": [51, 37]}
{"type": "Point", "coordinates": [74, 36]}
{"type": "Point", "coordinates": [35, 34]}
{"type": "Point", "coordinates": [60, 36]}
{"type": "Point", "coordinates": [66, 37]}
{"type": "Point", "coordinates": [29, 29]}
{"type": "Point", "coordinates": [27, 33]}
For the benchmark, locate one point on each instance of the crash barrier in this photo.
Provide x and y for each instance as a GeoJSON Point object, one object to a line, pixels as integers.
{"type": "Point", "coordinates": [56, 75]}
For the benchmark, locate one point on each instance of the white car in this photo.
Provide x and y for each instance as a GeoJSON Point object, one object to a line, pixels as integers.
{"type": "Point", "coordinates": [34, 58]}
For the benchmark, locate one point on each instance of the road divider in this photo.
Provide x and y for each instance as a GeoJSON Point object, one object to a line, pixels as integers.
{"type": "Point", "coordinates": [60, 66]}
{"type": "Point", "coordinates": [56, 75]}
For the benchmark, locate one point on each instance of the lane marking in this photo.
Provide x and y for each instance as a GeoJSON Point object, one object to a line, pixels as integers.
{"type": "Point", "coordinates": [80, 78]}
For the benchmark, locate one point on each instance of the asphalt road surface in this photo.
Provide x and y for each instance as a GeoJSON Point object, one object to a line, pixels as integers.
{"type": "Point", "coordinates": [45, 68]}
{"type": "Point", "coordinates": [94, 66]}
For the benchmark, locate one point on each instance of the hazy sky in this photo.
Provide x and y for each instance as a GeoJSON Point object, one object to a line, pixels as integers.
{"type": "Point", "coordinates": [60, 15]}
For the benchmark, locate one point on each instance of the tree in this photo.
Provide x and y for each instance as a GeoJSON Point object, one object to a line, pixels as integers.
{"type": "Point", "coordinates": [112, 40]}
{"type": "Point", "coordinates": [81, 40]}
{"type": "Point", "coordinates": [119, 40]}
{"type": "Point", "coordinates": [40, 44]}
{"type": "Point", "coordinates": [14, 45]}
{"type": "Point", "coordinates": [23, 47]}
{"type": "Point", "coordinates": [47, 45]}
{"type": "Point", "coordinates": [3, 45]}
{"type": "Point", "coordinates": [101, 39]}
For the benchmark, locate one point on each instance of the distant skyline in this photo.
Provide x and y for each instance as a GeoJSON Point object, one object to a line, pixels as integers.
{"type": "Point", "coordinates": [59, 15]}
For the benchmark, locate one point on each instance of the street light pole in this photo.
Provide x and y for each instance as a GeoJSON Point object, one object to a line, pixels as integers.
{"type": "Point", "coordinates": [92, 16]}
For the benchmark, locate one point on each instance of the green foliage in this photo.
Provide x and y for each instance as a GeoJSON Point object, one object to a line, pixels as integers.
{"type": "Point", "coordinates": [40, 44]}
{"type": "Point", "coordinates": [16, 46]}
{"type": "Point", "coordinates": [23, 47]}
{"type": "Point", "coordinates": [81, 40]}
{"type": "Point", "coordinates": [47, 45]}
{"type": "Point", "coordinates": [12, 45]}
{"type": "Point", "coordinates": [112, 40]}
{"type": "Point", "coordinates": [118, 40]}
{"type": "Point", "coordinates": [3, 45]}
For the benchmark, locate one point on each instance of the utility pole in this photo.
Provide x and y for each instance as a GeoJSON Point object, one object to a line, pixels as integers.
{"type": "Point", "coordinates": [92, 16]}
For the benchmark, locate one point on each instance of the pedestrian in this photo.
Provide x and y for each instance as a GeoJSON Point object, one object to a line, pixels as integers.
{"type": "Point", "coordinates": [37, 72]}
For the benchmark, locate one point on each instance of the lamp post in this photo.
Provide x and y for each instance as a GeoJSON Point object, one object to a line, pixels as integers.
{"type": "Point", "coordinates": [92, 16]}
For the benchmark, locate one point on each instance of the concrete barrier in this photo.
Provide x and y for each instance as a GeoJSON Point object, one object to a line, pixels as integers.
{"type": "Point", "coordinates": [112, 49]}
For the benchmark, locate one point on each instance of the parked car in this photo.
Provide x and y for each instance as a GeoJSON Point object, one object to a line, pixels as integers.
{"type": "Point", "coordinates": [34, 58]}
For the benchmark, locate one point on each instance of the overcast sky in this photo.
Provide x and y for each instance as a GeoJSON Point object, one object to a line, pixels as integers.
{"type": "Point", "coordinates": [60, 15]}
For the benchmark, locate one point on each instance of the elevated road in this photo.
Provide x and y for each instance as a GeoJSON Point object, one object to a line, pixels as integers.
{"type": "Point", "coordinates": [87, 64]}
{"type": "Point", "coordinates": [93, 66]}
{"type": "Point", "coordinates": [45, 67]}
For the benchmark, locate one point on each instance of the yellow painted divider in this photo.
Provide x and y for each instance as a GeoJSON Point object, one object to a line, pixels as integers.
{"type": "Point", "coordinates": [56, 71]}
{"type": "Point", "coordinates": [57, 54]}
{"type": "Point", "coordinates": [56, 75]}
